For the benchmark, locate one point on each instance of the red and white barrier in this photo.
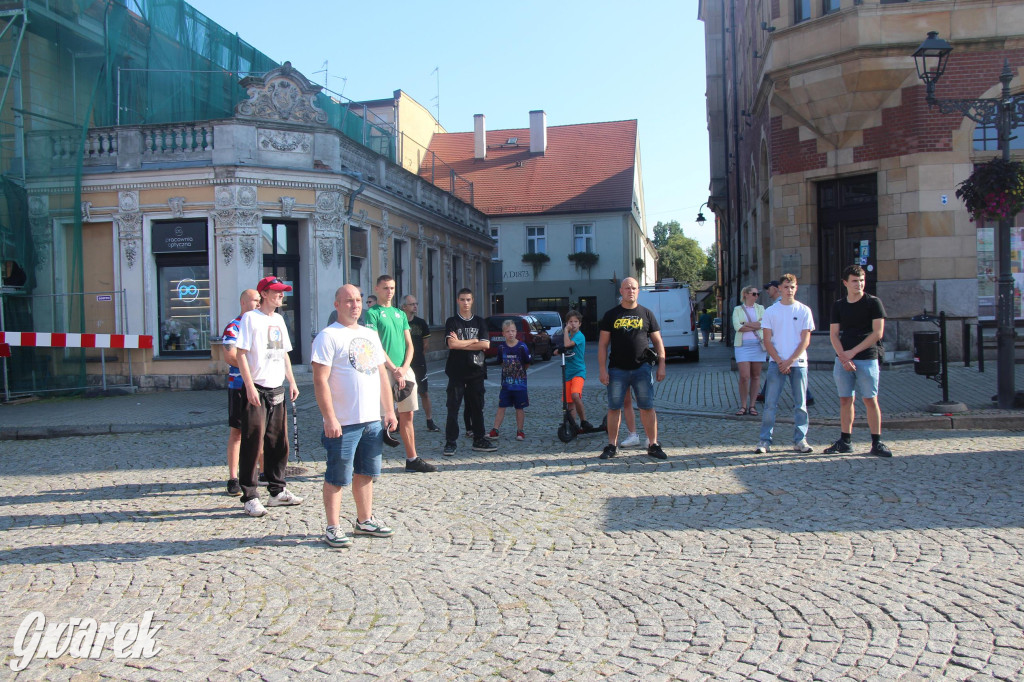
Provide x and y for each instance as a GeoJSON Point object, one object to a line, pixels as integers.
{"type": "Point", "coordinates": [47, 340]}
{"type": "Point", "coordinates": [5, 350]}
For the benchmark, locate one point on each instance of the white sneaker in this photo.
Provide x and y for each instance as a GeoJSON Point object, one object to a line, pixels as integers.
{"type": "Point", "coordinates": [255, 508]}
{"type": "Point", "coordinates": [762, 447]}
{"type": "Point", "coordinates": [285, 498]}
{"type": "Point", "coordinates": [630, 441]}
{"type": "Point", "coordinates": [802, 447]}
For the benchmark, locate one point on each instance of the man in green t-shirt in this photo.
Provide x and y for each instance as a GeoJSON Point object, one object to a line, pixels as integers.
{"type": "Point", "coordinates": [392, 326]}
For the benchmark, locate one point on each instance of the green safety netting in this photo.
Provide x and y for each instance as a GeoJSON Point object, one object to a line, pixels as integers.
{"type": "Point", "coordinates": [70, 65]}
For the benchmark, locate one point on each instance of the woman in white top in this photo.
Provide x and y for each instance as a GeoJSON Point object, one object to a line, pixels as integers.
{"type": "Point", "coordinates": [748, 347]}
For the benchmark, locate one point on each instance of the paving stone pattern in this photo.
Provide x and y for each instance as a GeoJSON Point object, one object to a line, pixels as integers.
{"type": "Point", "coordinates": [536, 562]}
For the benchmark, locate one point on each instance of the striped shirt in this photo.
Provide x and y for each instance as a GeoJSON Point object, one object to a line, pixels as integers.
{"type": "Point", "coordinates": [230, 338]}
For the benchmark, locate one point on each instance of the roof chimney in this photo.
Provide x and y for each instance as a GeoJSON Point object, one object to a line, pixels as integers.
{"type": "Point", "coordinates": [479, 137]}
{"type": "Point", "coordinates": [538, 132]}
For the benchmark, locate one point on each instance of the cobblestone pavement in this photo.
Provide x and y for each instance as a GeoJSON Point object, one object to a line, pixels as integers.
{"type": "Point", "coordinates": [538, 561]}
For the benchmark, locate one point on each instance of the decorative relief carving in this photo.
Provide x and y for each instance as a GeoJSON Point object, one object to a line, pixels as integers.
{"type": "Point", "coordinates": [129, 226]}
{"type": "Point", "coordinates": [282, 94]}
{"type": "Point", "coordinates": [223, 196]}
{"type": "Point", "coordinates": [326, 251]}
{"type": "Point", "coordinates": [386, 235]}
{"type": "Point", "coordinates": [128, 201]}
{"type": "Point", "coordinates": [340, 246]}
{"type": "Point", "coordinates": [246, 196]}
{"type": "Point", "coordinates": [287, 204]}
{"type": "Point", "coordinates": [327, 202]}
{"type": "Point", "coordinates": [86, 211]}
{"type": "Point", "coordinates": [177, 205]}
{"type": "Point", "coordinates": [227, 249]}
{"type": "Point", "coordinates": [283, 141]}
{"type": "Point", "coordinates": [248, 245]}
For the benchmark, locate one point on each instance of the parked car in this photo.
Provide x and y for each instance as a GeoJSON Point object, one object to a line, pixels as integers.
{"type": "Point", "coordinates": [552, 321]}
{"type": "Point", "coordinates": [529, 330]}
{"type": "Point", "coordinates": [716, 327]}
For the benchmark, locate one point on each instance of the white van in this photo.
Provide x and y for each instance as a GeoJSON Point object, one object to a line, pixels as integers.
{"type": "Point", "coordinates": [672, 307]}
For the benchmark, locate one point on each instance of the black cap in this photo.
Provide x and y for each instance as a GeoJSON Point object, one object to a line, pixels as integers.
{"type": "Point", "coordinates": [773, 283]}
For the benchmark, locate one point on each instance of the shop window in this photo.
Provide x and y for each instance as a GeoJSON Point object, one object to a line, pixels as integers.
{"type": "Point", "coordinates": [183, 283]}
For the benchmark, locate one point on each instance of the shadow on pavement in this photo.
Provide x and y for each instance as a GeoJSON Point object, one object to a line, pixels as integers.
{"type": "Point", "coordinates": [856, 493]}
{"type": "Point", "coordinates": [124, 552]}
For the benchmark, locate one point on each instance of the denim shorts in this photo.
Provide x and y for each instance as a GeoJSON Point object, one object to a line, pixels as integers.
{"type": "Point", "coordinates": [864, 381]}
{"type": "Point", "coordinates": [516, 399]}
{"type": "Point", "coordinates": [357, 450]}
{"type": "Point", "coordinates": [640, 379]}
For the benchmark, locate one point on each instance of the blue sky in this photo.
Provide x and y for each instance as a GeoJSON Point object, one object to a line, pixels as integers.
{"type": "Point", "coordinates": [578, 61]}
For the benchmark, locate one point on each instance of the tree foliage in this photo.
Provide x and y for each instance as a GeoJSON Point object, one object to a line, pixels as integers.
{"type": "Point", "coordinates": [664, 231]}
{"type": "Point", "coordinates": [682, 259]}
{"type": "Point", "coordinates": [710, 271]}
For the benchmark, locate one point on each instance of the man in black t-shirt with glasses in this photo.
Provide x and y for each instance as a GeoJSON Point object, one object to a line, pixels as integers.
{"type": "Point", "coordinates": [856, 330]}
{"type": "Point", "coordinates": [629, 330]}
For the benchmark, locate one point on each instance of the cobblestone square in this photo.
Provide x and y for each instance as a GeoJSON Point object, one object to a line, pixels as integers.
{"type": "Point", "coordinates": [538, 561]}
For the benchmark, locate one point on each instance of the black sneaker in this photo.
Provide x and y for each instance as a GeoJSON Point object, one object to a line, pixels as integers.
{"type": "Point", "coordinates": [654, 450]}
{"type": "Point", "coordinates": [586, 427]}
{"type": "Point", "coordinates": [431, 426]}
{"type": "Point", "coordinates": [839, 446]}
{"type": "Point", "coordinates": [608, 452]}
{"type": "Point", "coordinates": [484, 445]}
{"type": "Point", "coordinates": [760, 397]}
{"type": "Point", "coordinates": [234, 489]}
{"type": "Point", "coordinates": [449, 448]}
{"type": "Point", "coordinates": [880, 449]}
{"type": "Point", "coordinates": [262, 480]}
{"type": "Point", "coordinates": [419, 465]}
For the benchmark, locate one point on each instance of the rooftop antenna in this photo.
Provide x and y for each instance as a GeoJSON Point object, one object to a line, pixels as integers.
{"type": "Point", "coordinates": [437, 98]}
{"type": "Point", "coordinates": [327, 77]}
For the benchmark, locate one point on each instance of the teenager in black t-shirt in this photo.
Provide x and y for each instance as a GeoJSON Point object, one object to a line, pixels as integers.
{"type": "Point", "coordinates": [467, 338]}
{"type": "Point", "coordinates": [856, 329]}
{"type": "Point", "coordinates": [627, 332]}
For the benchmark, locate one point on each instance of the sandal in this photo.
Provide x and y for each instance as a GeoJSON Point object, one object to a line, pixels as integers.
{"type": "Point", "coordinates": [752, 411]}
{"type": "Point", "coordinates": [740, 412]}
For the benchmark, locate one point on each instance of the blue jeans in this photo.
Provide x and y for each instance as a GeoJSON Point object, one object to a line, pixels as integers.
{"type": "Point", "coordinates": [357, 450]}
{"type": "Point", "coordinates": [797, 378]}
{"type": "Point", "coordinates": [641, 380]}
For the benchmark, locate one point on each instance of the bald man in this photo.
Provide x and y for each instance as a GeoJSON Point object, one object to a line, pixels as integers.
{"type": "Point", "coordinates": [627, 333]}
{"type": "Point", "coordinates": [350, 378]}
{"type": "Point", "coordinates": [250, 300]}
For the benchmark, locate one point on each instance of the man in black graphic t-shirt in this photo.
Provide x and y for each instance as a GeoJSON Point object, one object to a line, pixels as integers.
{"type": "Point", "coordinates": [629, 330]}
{"type": "Point", "coordinates": [467, 338]}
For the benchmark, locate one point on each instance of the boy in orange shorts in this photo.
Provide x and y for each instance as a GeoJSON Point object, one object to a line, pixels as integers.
{"type": "Point", "coordinates": [575, 367]}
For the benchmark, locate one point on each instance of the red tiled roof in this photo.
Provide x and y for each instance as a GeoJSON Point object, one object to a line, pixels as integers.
{"type": "Point", "coordinates": [586, 167]}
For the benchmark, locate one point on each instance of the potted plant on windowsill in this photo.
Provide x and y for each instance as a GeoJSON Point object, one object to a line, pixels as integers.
{"type": "Point", "coordinates": [995, 190]}
{"type": "Point", "coordinates": [584, 260]}
{"type": "Point", "coordinates": [537, 260]}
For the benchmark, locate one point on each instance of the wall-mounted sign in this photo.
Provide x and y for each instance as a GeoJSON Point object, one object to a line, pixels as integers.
{"type": "Point", "coordinates": [791, 263]}
{"type": "Point", "coordinates": [104, 297]}
{"type": "Point", "coordinates": [179, 237]}
{"type": "Point", "coordinates": [512, 275]}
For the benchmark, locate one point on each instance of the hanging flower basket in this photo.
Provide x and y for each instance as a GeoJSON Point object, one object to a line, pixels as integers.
{"type": "Point", "coordinates": [995, 190]}
{"type": "Point", "coordinates": [639, 264]}
{"type": "Point", "coordinates": [537, 260]}
{"type": "Point", "coordinates": [583, 259]}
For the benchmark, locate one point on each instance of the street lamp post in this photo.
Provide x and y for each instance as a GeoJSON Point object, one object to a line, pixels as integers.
{"type": "Point", "coordinates": [1004, 112]}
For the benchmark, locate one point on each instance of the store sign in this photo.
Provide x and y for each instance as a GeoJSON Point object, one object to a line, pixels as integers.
{"type": "Point", "coordinates": [187, 237]}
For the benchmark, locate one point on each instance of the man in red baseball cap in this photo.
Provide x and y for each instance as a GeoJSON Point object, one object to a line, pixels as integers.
{"type": "Point", "coordinates": [262, 349]}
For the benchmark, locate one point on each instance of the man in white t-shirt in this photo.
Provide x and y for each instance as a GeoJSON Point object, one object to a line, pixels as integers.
{"type": "Point", "coordinates": [352, 388]}
{"type": "Point", "coordinates": [262, 350]}
{"type": "Point", "coordinates": [787, 327]}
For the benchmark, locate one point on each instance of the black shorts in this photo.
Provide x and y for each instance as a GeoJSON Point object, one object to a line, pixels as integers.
{"type": "Point", "coordinates": [236, 405]}
{"type": "Point", "coordinates": [421, 378]}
